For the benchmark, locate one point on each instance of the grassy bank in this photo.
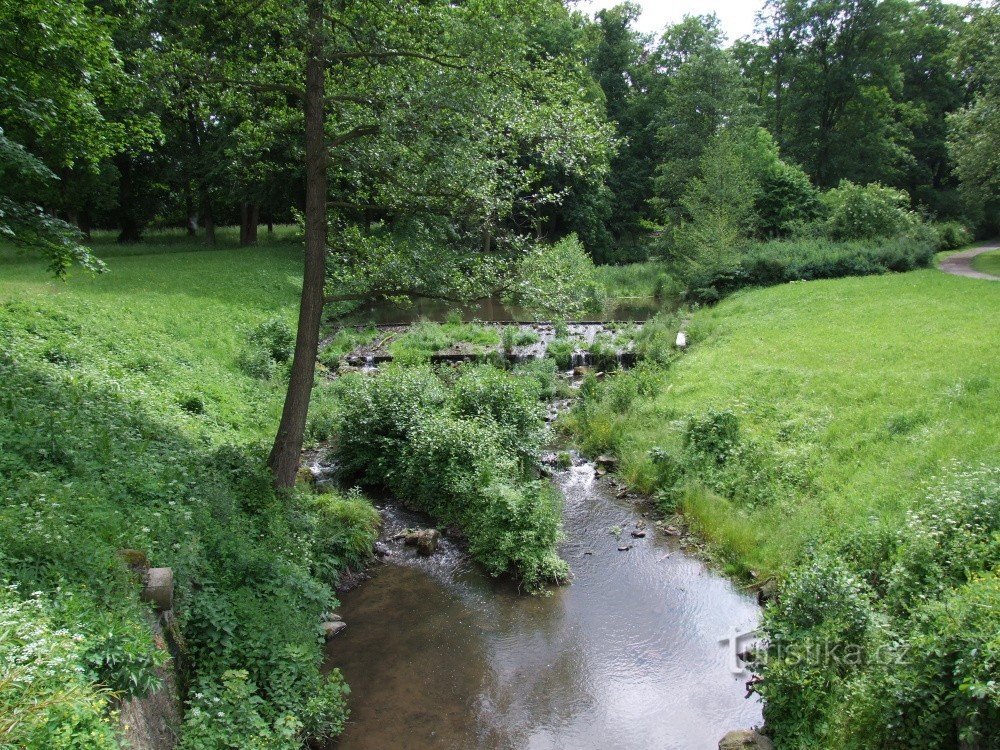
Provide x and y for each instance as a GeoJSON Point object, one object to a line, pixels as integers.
{"type": "Point", "coordinates": [840, 436]}
{"type": "Point", "coordinates": [848, 395]}
{"type": "Point", "coordinates": [988, 263]}
{"type": "Point", "coordinates": [129, 420]}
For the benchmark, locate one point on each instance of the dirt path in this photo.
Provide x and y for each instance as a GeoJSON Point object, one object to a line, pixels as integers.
{"type": "Point", "coordinates": [960, 263]}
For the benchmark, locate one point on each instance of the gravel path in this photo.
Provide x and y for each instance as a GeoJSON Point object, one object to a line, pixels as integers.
{"type": "Point", "coordinates": [960, 264]}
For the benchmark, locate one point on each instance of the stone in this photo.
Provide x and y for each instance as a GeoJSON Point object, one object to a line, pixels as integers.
{"type": "Point", "coordinates": [624, 547]}
{"type": "Point", "coordinates": [608, 463]}
{"type": "Point", "coordinates": [638, 533]}
{"type": "Point", "coordinates": [305, 476]}
{"type": "Point", "coordinates": [333, 628]}
{"type": "Point", "coordinates": [159, 588]}
{"type": "Point", "coordinates": [425, 540]}
{"type": "Point", "coordinates": [134, 558]}
{"type": "Point", "coordinates": [768, 592]}
{"type": "Point", "coordinates": [745, 739]}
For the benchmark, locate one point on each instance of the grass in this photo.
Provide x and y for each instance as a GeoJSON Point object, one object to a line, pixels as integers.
{"type": "Point", "coordinates": [176, 315]}
{"type": "Point", "coordinates": [988, 263]}
{"type": "Point", "coordinates": [850, 394]}
{"type": "Point", "coordinates": [127, 422]}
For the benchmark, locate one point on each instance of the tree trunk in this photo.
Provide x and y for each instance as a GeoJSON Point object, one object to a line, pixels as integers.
{"type": "Point", "coordinates": [192, 215]}
{"type": "Point", "coordinates": [248, 223]}
{"type": "Point", "coordinates": [128, 224]}
{"type": "Point", "coordinates": [284, 458]}
{"type": "Point", "coordinates": [206, 215]}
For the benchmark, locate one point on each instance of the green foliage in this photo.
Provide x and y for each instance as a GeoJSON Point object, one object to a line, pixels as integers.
{"type": "Point", "coordinates": [462, 453]}
{"type": "Point", "coordinates": [909, 659]}
{"type": "Point", "coordinates": [560, 350]}
{"type": "Point", "coordinates": [714, 435]}
{"type": "Point", "coordinates": [268, 345]}
{"type": "Point", "coordinates": [779, 262]}
{"type": "Point", "coordinates": [543, 371]}
{"type": "Point", "coordinates": [424, 339]}
{"type": "Point", "coordinates": [510, 404]}
{"type": "Point", "coordinates": [231, 714]}
{"type": "Point", "coordinates": [787, 198]}
{"type": "Point", "coordinates": [344, 530]}
{"type": "Point", "coordinates": [101, 455]}
{"type": "Point", "coordinates": [867, 212]}
{"type": "Point", "coordinates": [839, 421]}
{"type": "Point", "coordinates": [275, 337]}
{"type": "Point", "coordinates": [46, 697]}
{"type": "Point", "coordinates": [558, 279]}
{"type": "Point", "coordinates": [951, 235]}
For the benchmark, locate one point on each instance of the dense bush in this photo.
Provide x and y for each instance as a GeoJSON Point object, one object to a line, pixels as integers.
{"type": "Point", "coordinates": [867, 212]}
{"type": "Point", "coordinates": [892, 639]}
{"type": "Point", "coordinates": [461, 453]}
{"type": "Point", "coordinates": [951, 235]}
{"type": "Point", "coordinates": [779, 262]}
{"type": "Point", "coordinates": [786, 198]}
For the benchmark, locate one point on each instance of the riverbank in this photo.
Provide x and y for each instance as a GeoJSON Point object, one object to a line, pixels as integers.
{"type": "Point", "coordinates": [846, 395]}
{"type": "Point", "coordinates": [130, 429]}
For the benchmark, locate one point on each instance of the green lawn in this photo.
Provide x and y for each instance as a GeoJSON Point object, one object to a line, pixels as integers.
{"type": "Point", "coordinates": [178, 313]}
{"type": "Point", "coordinates": [850, 393]}
{"type": "Point", "coordinates": [988, 263]}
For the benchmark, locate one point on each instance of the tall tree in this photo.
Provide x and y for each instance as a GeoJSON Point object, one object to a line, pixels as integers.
{"type": "Point", "coordinates": [430, 114]}
{"type": "Point", "coordinates": [974, 137]}
{"type": "Point", "coordinates": [57, 65]}
{"type": "Point", "coordinates": [831, 81]}
{"type": "Point", "coordinates": [700, 91]}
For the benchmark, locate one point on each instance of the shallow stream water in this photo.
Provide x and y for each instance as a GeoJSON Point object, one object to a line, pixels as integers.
{"type": "Point", "coordinates": [438, 655]}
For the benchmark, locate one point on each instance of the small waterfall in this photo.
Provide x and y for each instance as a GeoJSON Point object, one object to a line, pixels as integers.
{"type": "Point", "coordinates": [369, 364]}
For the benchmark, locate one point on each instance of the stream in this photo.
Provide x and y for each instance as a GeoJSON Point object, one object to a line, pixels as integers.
{"type": "Point", "coordinates": [439, 655]}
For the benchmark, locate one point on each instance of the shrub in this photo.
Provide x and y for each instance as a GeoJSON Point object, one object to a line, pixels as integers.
{"type": "Point", "coordinates": [230, 715]}
{"type": "Point", "coordinates": [713, 436]}
{"type": "Point", "coordinates": [866, 212]}
{"type": "Point", "coordinates": [509, 403]}
{"type": "Point", "coordinates": [275, 337]}
{"type": "Point", "coordinates": [543, 372]}
{"type": "Point", "coordinates": [344, 530]}
{"type": "Point", "coordinates": [267, 345]}
{"type": "Point", "coordinates": [951, 235]}
{"type": "Point", "coordinates": [561, 350]}
{"type": "Point", "coordinates": [786, 198]}
{"type": "Point", "coordinates": [461, 454]}
{"type": "Point", "coordinates": [779, 262]}
{"type": "Point", "coordinates": [94, 461]}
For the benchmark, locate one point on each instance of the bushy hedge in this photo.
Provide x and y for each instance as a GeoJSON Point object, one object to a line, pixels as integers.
{"type": "Point", "coordinates": [891, 639]}
{"type": "Point", "coordinates": [777, 262]}
{"type": "Point", "coordinates": [88, 468]}
{"type": "Point", "coordinates": [461, 451]}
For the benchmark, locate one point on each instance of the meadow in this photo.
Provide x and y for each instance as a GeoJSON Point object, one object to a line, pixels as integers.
{"type": "Point", "coordinates": [849, 395]}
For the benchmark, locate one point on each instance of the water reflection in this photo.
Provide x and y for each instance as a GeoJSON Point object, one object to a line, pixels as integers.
{"type": "Point", "coordinates": [627, 656]}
